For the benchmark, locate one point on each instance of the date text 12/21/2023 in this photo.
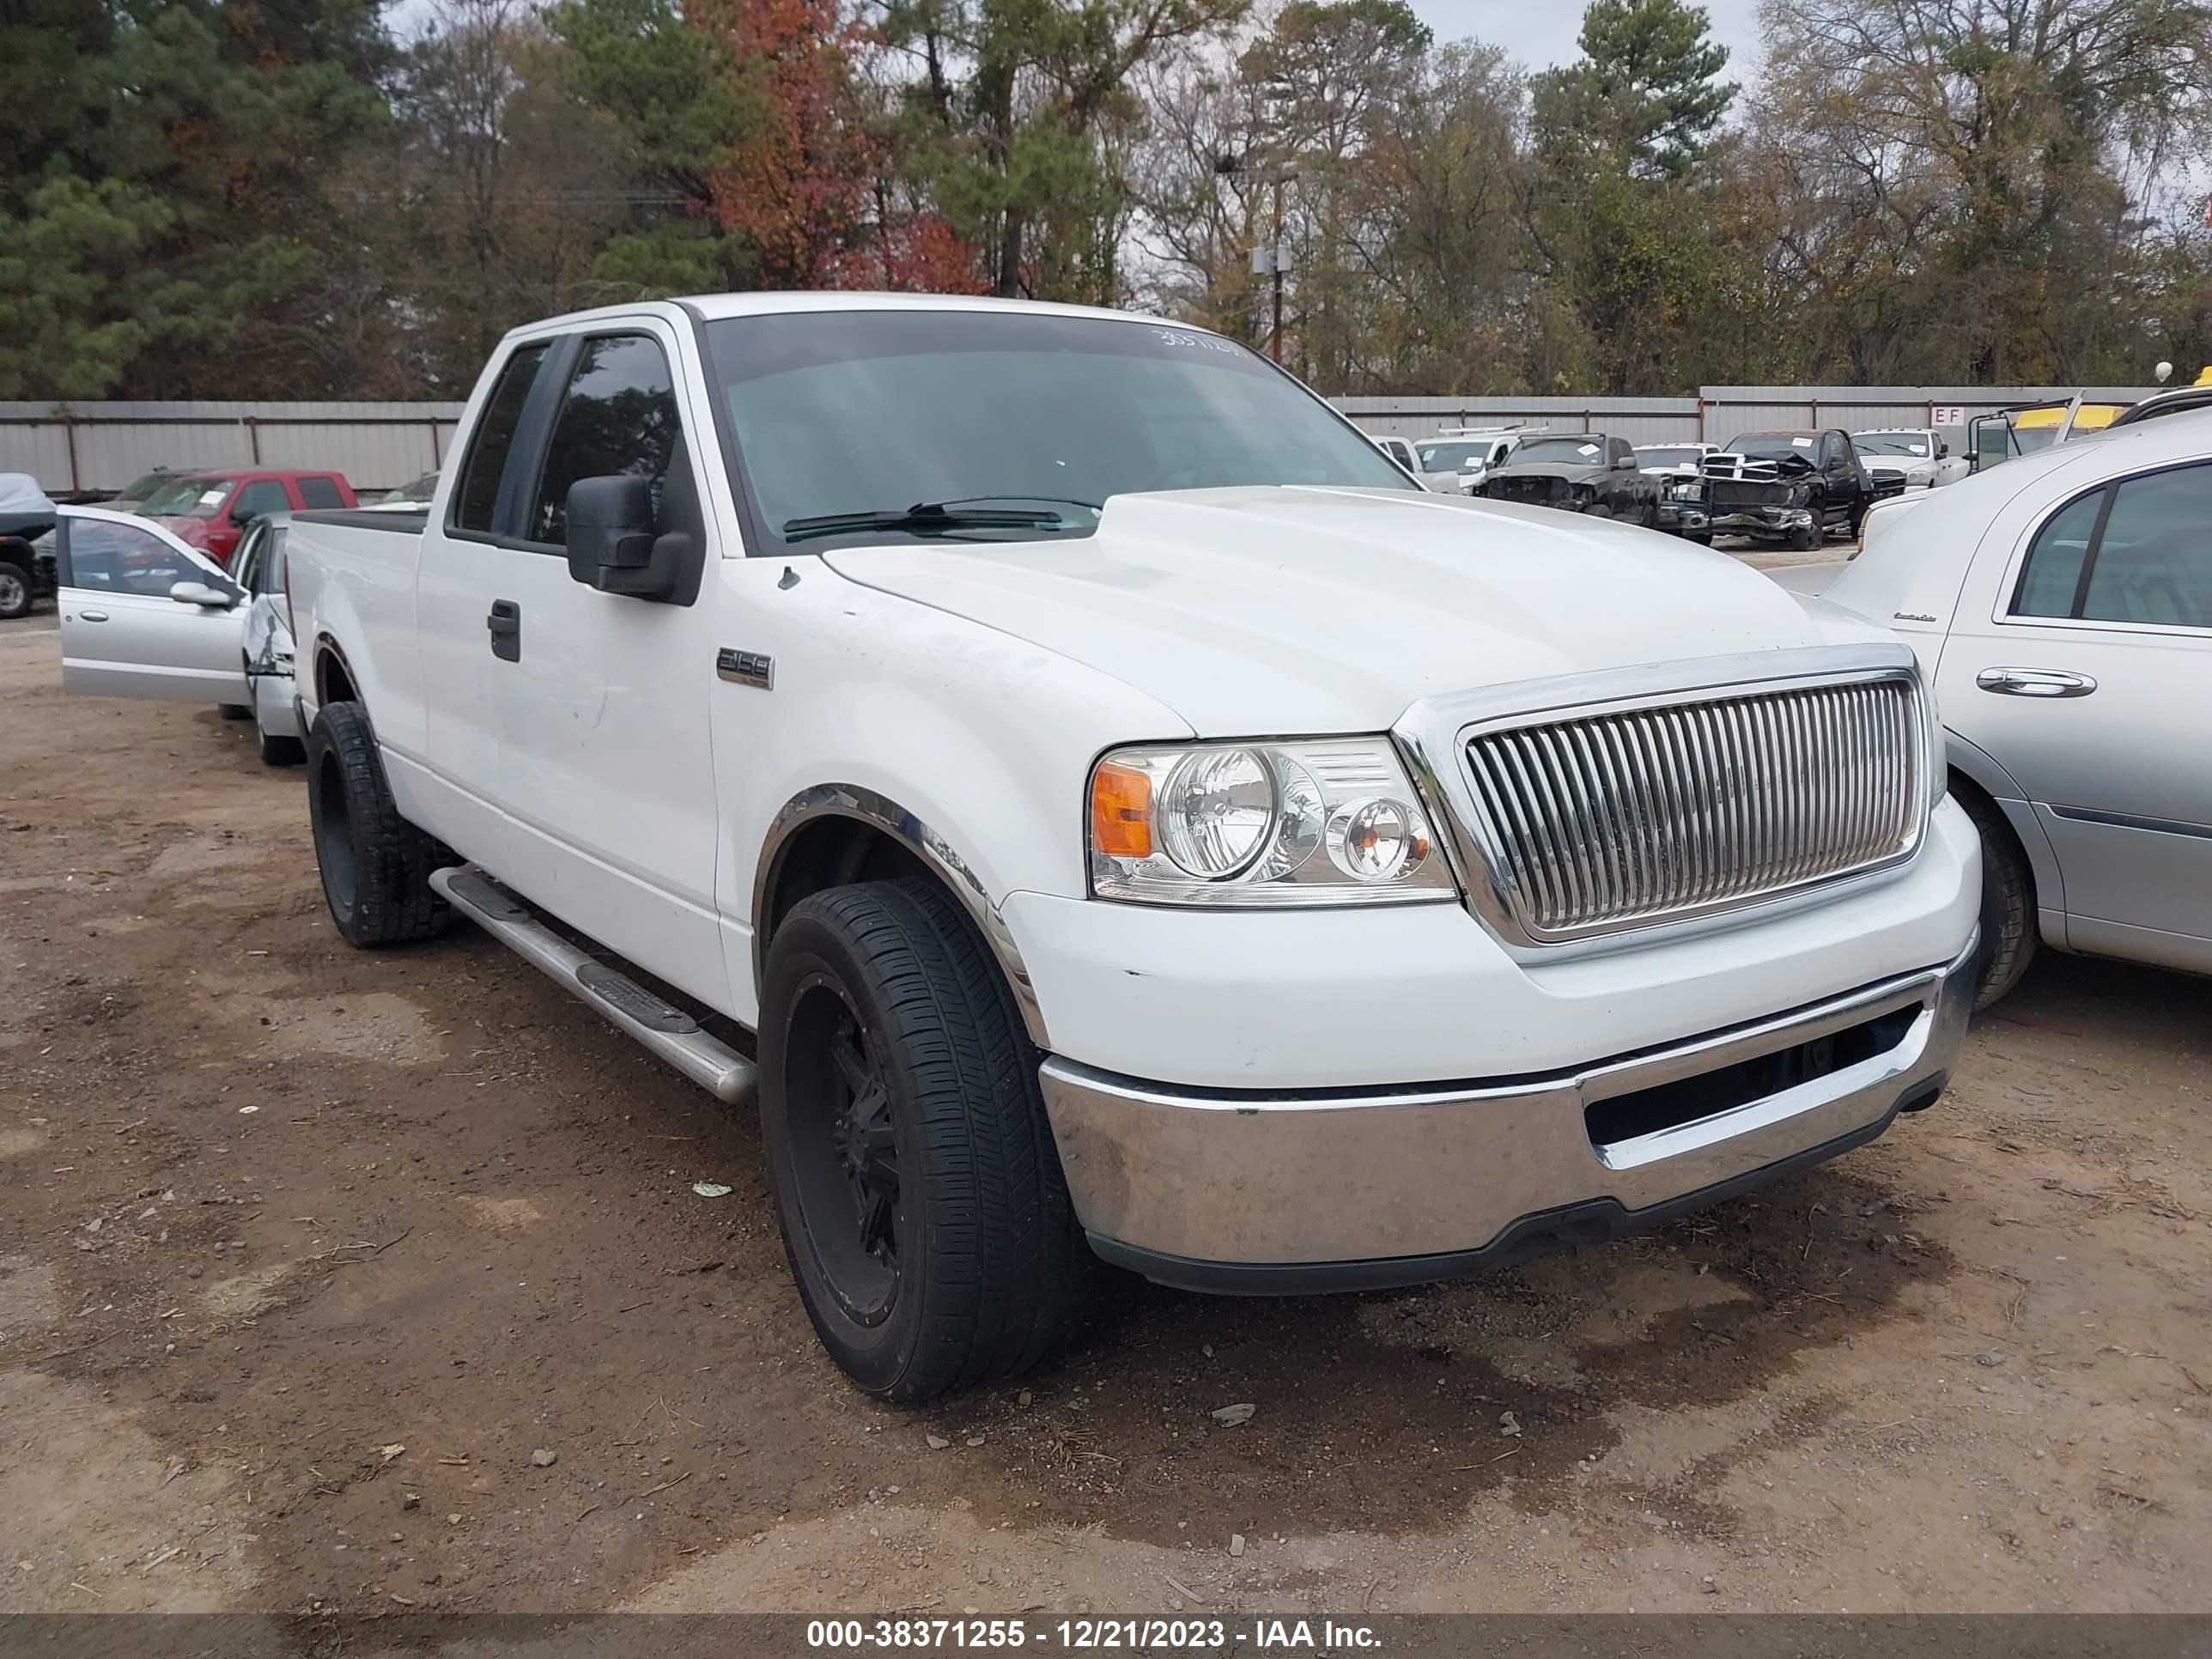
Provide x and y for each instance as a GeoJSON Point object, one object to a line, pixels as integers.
{"type": "Point", "coordinates": [1286, 1636]}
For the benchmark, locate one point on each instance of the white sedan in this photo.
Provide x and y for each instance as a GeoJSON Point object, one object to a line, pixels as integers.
{"type": "Point", "coordinates": [2062, 606]}
{"type": "Point", "coordinates": [143, 614]}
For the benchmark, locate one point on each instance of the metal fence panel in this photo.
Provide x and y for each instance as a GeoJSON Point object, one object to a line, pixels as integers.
{"type": "Point", "coordinates": [110, 454]}
{"type": "Point", "coordinates": [93, 447]}
{"type": "Point", "coordinates": [1730, 411]}
{"type": "Point", "coordinates": [1639, 420]}
{"type": "Point", "coordinates": [41, 451]}
{"type": "Point", "coordinates": [1718, 413]}
{"type": "Point", "coordinates": [372, 457]}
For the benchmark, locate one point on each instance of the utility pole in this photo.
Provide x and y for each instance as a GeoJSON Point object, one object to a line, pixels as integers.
{"type": "Point", "coordinates": [1272, 261]}
{"type": "Point", "coordinates": [1279, 262]}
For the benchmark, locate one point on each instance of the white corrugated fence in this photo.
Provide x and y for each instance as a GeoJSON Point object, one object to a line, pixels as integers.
{"type": "Point", "coordinates": [75, 449]}
{"type": "Point", "coordinates": [89, 449]}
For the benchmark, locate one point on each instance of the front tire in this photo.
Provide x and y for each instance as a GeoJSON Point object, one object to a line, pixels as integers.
{"type": "Point", "coordinates": [2008, 922]}
{"type": "Point", "coordinates": [279, 751]}
{"type": "Point", "coordinates": [917, 1186]}
{"type": "Point", "coordinates": [375, 866]}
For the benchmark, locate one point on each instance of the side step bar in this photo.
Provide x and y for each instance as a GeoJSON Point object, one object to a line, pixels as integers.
{"type": "Point", "coordinates": [664, 1028]}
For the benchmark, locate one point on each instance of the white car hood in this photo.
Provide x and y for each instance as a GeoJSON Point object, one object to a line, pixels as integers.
{"type": "Point", "coordinates": [1292, 611]}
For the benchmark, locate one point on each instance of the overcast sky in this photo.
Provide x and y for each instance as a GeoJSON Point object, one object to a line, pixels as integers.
{"type": "Point", "coordinates": [1542, 32]}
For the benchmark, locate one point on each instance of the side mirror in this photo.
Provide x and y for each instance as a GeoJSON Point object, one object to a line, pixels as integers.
{"type": "Point", "coordinates": [199, 594]}
{"type": "Point", "coordinates": [1626, 463]}
{"type": "Point", "coordinates": [610, 529]}
{"type": "Point", "coordinates": [1943, 449]}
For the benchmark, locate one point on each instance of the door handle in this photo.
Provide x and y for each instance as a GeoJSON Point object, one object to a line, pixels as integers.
{"type": "Point", "coordinates": [2034, 682]}
{"type": "Point", "coordinates": [505, 623]}
{"type": "Point", "coordinates": [92, 616]}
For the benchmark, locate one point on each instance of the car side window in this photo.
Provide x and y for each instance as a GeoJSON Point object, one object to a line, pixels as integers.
{"type": "Point", "coordinates": [2052, 574]}
{"type": "Point", "coordinates": [2152, 561]}
{"type": "Point", "coordinates": [245, 563]}
{"type": "Point", "coordinates": [121, 558]}
{"type": "Point", "coordinates": [319, 491]}
{"type": "Point", "coordinates": [261, 570]}
{"type": "Point", "coordinates": [262, 496]}
{"type": "Point", "coordinates": [476, 500]}
{"type": "Point", "coordinates": [618, 414]}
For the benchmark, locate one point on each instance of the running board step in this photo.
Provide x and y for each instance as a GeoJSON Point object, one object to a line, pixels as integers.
{"type": "Point", "coordinates": [661, 1026]}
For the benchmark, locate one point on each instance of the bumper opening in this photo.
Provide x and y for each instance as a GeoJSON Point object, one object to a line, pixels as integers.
{"type": "Point", "coordinates": [1687, 1100]}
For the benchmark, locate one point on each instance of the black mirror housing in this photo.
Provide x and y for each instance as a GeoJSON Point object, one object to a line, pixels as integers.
{"type": "Point", "coordinates": [639, 535]}
{"type": "Point", "coordinates": [611, 532]}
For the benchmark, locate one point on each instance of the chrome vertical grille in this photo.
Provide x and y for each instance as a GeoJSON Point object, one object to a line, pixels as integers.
{"type": "Point", "coordinates": [1621, 818]}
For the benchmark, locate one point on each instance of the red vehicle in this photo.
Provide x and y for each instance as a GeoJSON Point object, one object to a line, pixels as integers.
{"type": "Point", "coordinates": [210, 510]}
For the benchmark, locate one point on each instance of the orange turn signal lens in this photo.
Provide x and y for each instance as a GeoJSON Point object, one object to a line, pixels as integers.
{"type": "Point", "coordinates": [1121, 811]}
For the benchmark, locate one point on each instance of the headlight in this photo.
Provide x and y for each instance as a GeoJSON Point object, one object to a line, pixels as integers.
{"type": "Point", "coordinates": [1328, 821]}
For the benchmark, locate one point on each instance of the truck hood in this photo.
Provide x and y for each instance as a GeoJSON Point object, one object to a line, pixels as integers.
{"type": "Point", "coordinates": [1296, 610]}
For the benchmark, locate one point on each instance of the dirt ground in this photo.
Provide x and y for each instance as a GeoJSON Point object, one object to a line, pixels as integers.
{"type": "Point", "coordinates": [307, 1252]}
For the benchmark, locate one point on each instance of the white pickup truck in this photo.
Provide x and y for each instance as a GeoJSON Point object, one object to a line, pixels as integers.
{"type": "Point", "coordinates": [1122, 816]}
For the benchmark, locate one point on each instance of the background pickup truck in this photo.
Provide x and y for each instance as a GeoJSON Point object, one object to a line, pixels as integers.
{"type": "Point", "coordinates": [1101, 808]}
{"type": "Point", "coordinates": [1791, 487]}
{"type": "Point", "coordinates": [1586, 472]}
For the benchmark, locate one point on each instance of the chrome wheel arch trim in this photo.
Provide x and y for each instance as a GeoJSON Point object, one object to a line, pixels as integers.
{"type": "Point", "coordinates": [847, 801]}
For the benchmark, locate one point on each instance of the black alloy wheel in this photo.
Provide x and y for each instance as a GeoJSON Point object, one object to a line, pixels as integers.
{"type": "Point", "coordinates": [844, 1151]}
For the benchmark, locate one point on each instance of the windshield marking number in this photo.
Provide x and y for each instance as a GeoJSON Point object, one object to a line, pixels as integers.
{"type": "Point", "coordinates": [1205, 342]}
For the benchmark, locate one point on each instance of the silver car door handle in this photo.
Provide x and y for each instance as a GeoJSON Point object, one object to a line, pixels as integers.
{"type": "Point", "coordinates": [2034, 682]}
{"type": "Point", "coordinates": [92, 616]}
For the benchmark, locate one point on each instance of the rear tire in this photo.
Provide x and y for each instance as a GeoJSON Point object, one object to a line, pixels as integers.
{"type": "Point", "coordinates": [280, 751]}
{"type": "Point", "coordinates": [2008, 909]}
{"type": "Point", "coordinates": [917, 1185]}
{"type": "Point", "coordinates": [375, 866]}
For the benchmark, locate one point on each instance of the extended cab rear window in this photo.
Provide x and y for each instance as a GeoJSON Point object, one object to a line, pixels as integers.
{"type": "Point", "coordinates": [838, 412]}
{"type": "Point", "coordinates": [476, 502]}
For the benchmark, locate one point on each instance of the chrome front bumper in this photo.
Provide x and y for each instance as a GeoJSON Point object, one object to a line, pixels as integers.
{"type": "Point", "coordinates": [1291, 1194]}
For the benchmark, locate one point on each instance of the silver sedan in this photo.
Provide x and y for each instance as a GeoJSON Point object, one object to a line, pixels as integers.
{"type": "Point", "coordinates": [144, 615]}
{"type": "Point", "coordinates": [2062, 606]}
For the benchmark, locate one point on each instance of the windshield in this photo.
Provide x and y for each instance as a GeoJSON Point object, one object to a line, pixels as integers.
{"type": "Point", "coordinates": [1892, 443]}
{"type": "Point", "coordinates": [186, 498]}
{"type": "Point", "coordinates": [1560, 451]}
{"type": "Point", "coordinates": [842, 412]}
{"type": "Point", "coordinates": [1778, 446]}
{"type": "Point", "coordinates": [421, 490]}
{"type": "Point", "coordinates": [1457, 457]}
{"type": "Point", "coordinates": [1667, 457]}
{"type": "Point", "coordinates": [144, 484]}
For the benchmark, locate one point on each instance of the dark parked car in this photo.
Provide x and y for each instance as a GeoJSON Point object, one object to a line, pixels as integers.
{"type": "Point", "coordinates": [1791, 487]}
{"type": "Point", "coordinates": [26, 517]}
{"type": "Point", "coordinates": [1577, 473]}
